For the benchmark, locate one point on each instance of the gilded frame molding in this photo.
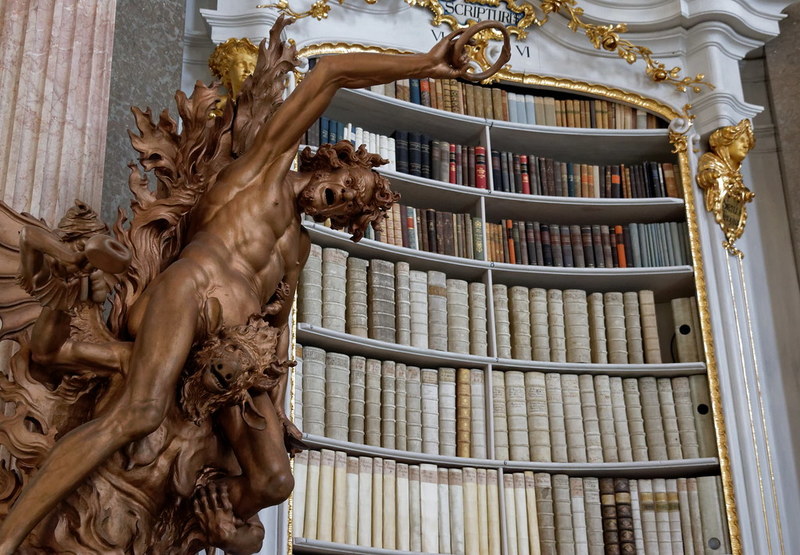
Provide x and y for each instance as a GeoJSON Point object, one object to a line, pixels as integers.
{"type": "Point", "coordinates": [680, 140]}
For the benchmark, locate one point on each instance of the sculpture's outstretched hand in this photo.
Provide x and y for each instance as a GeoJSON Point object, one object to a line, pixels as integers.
{"type": "Point", "coordinates": [450, 58]}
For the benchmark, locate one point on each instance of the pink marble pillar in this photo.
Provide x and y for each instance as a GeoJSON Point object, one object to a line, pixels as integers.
{"type": "Point", "coordinates": [55, 62]}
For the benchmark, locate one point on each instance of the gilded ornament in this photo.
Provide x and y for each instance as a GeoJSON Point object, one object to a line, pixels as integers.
{"type": "Point", "coordinates": [719, 175]}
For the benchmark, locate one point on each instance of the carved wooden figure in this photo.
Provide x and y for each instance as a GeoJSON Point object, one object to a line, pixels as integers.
{"type": "Point", "coordinates": [162, 428]}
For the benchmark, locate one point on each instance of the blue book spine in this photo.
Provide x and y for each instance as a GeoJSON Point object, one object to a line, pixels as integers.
{"type": "Point", "coordinates": [324, 135]}
{"type": "Point", "coordinates": [414, 91]}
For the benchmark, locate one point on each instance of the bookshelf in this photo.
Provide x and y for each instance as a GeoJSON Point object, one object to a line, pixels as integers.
{"type": "Point", "coordinates": [383, 115]}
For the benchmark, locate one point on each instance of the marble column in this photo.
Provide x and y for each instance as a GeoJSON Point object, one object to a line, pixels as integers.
{"type": "Point", "coordinates": [783, 74]}
{"type": "Point", "coordinates": [55, 60]}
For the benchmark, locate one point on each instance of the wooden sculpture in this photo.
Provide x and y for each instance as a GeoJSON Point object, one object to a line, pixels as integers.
{"type": "Point", "coordinates": [161, 428]}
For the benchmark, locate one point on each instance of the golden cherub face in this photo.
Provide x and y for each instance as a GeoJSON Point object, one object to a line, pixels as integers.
{"type": "Point", "coordinates": [739, 148]}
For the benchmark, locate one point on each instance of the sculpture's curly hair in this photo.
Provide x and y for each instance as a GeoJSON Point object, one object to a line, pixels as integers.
{"type": "Point", "coordinates": [225, 53]}
{"type": "Point", "coordinates": [369, 210]}
{"type": "Point", "coordinates": [726, 135]}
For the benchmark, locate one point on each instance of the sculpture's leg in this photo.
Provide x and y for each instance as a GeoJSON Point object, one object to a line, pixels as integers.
{"type": "Point", "coordinates": [266, 477]}
{"type": "Point", "coordinates": [156, 362]}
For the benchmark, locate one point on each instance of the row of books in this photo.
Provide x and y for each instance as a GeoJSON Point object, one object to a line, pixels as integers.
{"type": "Point", "coordinates": [391, 302]}
{"type": "Point", "coordinates": [588, 246]}
{"type": "Point", "coordinates": [495, 103]}
{"type": "Point", "coordinates": [381, 503]}
{"type": "Point", "coordinates": [565, 418]}
{"type": "Point", "coordinates": [420, 155]}
{"type": "Point", "coordinates": [532, 175]}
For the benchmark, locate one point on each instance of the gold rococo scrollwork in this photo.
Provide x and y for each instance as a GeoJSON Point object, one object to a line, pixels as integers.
{"type": "Point", "coordinates": [719, 175]}
{"type": "Point", "coordinates": [602, 37]}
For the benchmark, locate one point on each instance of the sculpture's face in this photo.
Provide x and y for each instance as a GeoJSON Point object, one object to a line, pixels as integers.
{"type": "Point", "coordinates": [739, 148]}
{"type": "Point", "coordinates": [339, 193]}
{"type": "Point", "coordinates": [225, 368]}
{"type": "Point", "coordinates": [241, 68]}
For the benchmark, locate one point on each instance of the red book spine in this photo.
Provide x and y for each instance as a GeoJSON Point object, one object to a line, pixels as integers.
{"type": "Point", "coordinates": [425, 92]}
{"type": "Point", "coordinates": [526, 181]}
{"type": "Point", "coordinates": [480, 167]}
{"type": "Point", "coordinates": [452, 163]}
{"type": "Point", "coordinates": [512, 258]}
{"type": "Point", "coordinates": [620, 247]}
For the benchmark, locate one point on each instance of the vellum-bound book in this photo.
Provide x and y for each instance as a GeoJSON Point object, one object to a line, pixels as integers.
{"type": "Point", "coordinates": [502, 325]}
{"type": "Point", "coordinates": [356, 315]}
{"type": "Point", "coordinates": [483, 510]}
{"type": "Point", "coordinates": [594, 517]}
{"type": "Point", "coordinates": [418, 284]}
{"type": "Point", "coordinates": [562, 507]}
{"type": "Point", "coordinates": [605, 416]}
{"type": "Point", "coordinates": [403, 540]}
{"type": "Point", "coordinates": [540, 332]}
{"type": "Point", "coordinates": [555, 409]}
{"type": "Point", "coordinates": [314, 390]}
{"type": "Point", "coordinates": [456, 493]}
{"type": "Point", "coordinates": [493, 511]}
{"type": "Point", "coordinates": [372, 403]}
{"type": "Point", "coordinates": [531, 512]}
{"type": "Point", "coordinates": [669, 418]}
{"type": "Point", "coordinates": [478, 335]}
{"type": "Point", "coordinates": [457, 316]}
{"type": "Point", "coordinates": [662, 515]}
{"type": "Point", "coordinates": [340, 514]}
{"type": "Point", "coordinates": [447, 411]}
{"type": "Point", "coordinates": [597, 328]}
{"type": "Point", "coordinates": [430, 411]}
{"type": "Point", "coordinates": [437, 311]}
{"type": "Point", "coordinates": [337, 395]}
{"type": "Point", "coordinates": [401, 430]}
{"type": "Point", "coordinates": [312, 495]}
{"type": "Point", "coordinates": [684, 514]}
{"type": "Point", "coordinates": [538, 420]}
{"type": "Point", "coordinates": [573, 418]}
{"type": "Point", "coordinates": [633, 408]}
{"type": "Point", "coordinates": [352, 506]}
{"type": "Point", "coordinates": [653, 424]}
{"type": "Point", "coordinates": [309, 298]}
{"type": "Point", "coordinates": [413, 409]}
{"type": "Point", "coordinates": [334, 273]}
{"type": "Point", "coordinates": [591, 421]}
{"type": "Point", "coordinates": [443, 492]}
{"type": "Point", "coordinates": [637, 517]}
{"type": "Point", "coordinates": [685, 414]}
{"type": "Point", "coordinates": [615, 328]}
{"type": "Point", "coordinates": [377, 502]}
{"type": "Point", "coordinates": [555, 321]}
{"type": "Point", "coordinates": [358, 384]}
{"type": "Point", "coordinates": [510, 514]}
{"type": "Point", "coordinates": [380, 280]}
{"type": "Point", "coordinates": [545, 512]}
{"type": "Point", "coordinates": [300, 473]}
{"type": "Point", "coordinates": [365, 501]}
{"type": "Point", "coordinates": [500, 417]}
{"type": "Point", "coordinates": [402, 291]}
{"type": "Point", "coordinates": [520, 511]}
{"type": "Point", "coordinates": [579, 524]}
{"type": "Point", "coordinates": [388, 410]}
{"type": "Point", "coordinates": [389, 504]}
{"type": "Point", "coordinates": [478, 415]}
{"type": "Point", "coordinates": [633, 327]}
{"type": "Point", "coordinates": [698, 541]}
{"type": "Point", "coordinates": [576, 326]}
{"type": "Point", "coordinates": [647, 310]}
{"type": "Point", "coordinates": [647, 508]}
{"type": "Point", "coordinates": [414, 508]}
{"type": "Point", "coordinates": [520, 321]}
{"type": "Point", "coordinates": [297, 386]}
{"type": "Point", "coordinates": [472, 526]}
{"type": "Point", "coordinates": [517, 417]}
{"type": "Point", "coordinates": [624, 448]}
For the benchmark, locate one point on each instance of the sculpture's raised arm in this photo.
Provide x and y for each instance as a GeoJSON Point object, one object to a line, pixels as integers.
{"type": "Point", "coordinates": [312, 96]}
